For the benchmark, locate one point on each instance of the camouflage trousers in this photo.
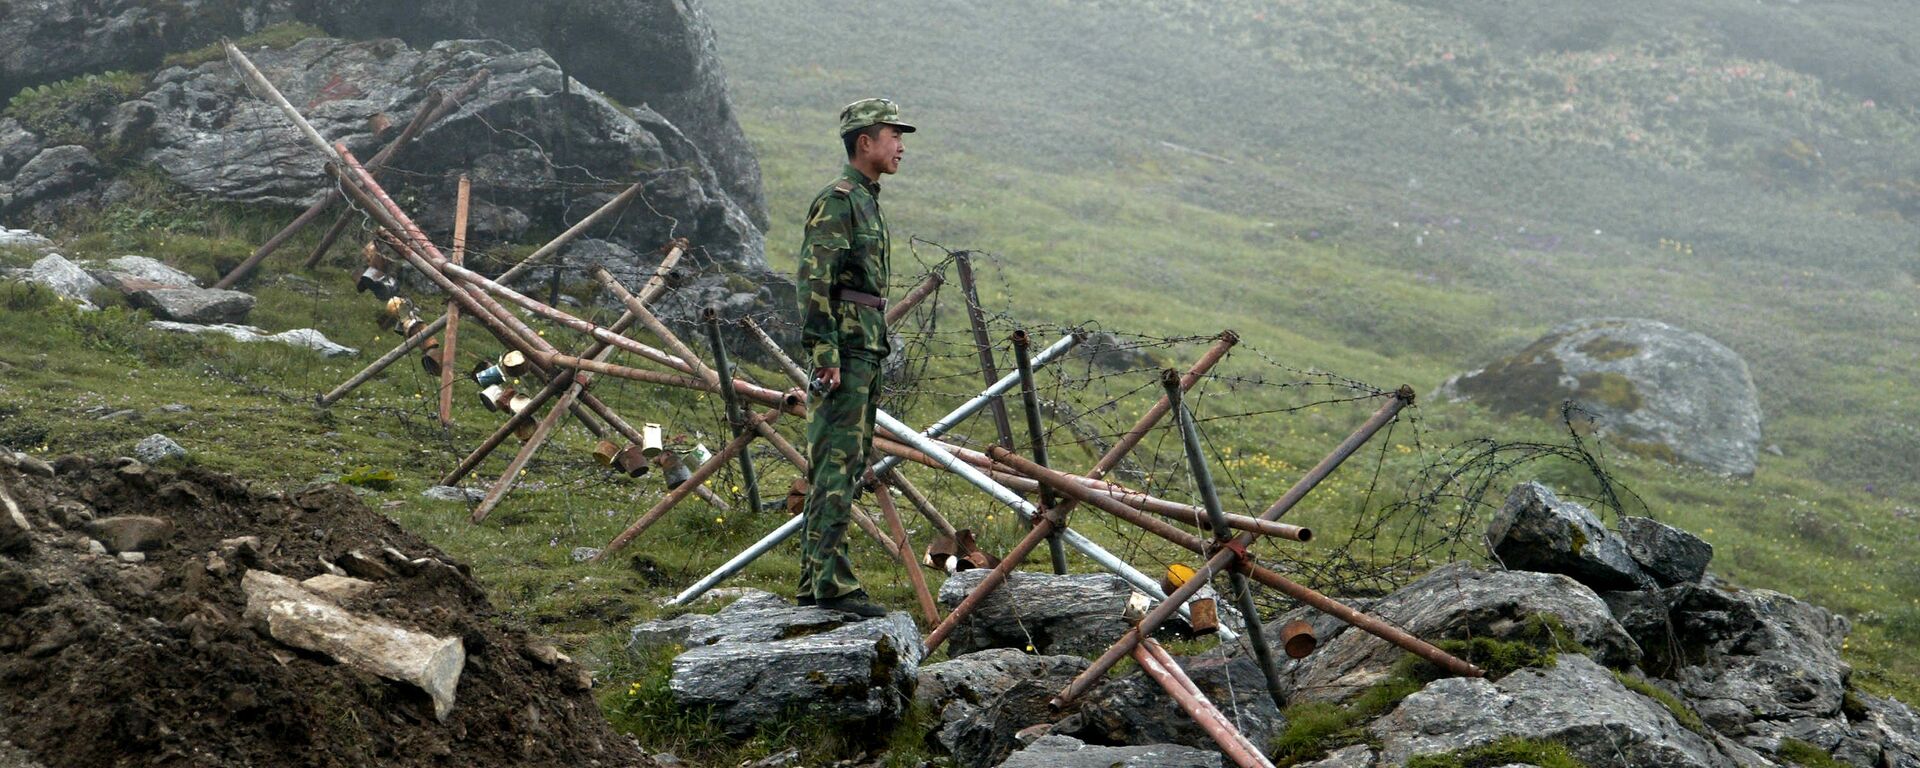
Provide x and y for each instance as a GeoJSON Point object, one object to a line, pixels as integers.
{"type": "Point", "coordinates": [840, 449]}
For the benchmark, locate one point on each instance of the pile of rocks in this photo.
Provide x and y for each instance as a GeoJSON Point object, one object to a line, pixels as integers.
{"type": "Point", "coordinates": [1742, 671]}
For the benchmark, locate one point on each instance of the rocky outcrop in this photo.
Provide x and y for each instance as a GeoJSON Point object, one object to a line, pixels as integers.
{"type": "Point", "coordinates": [984, 700]}
{"type": "Point", "coordinates": [1668, 554]}
{"type": "Point", "coordinates": [1576, 703]}
{"type": "Point", "coordinates": [1134, 709]}
{"type": "Point", "coordinates": [1659, 390]}
{"type": "Point", "coordinates": [1459, 601]}
{"type": "Point", "coordinates": [198, 306]}
{"type": "Point", "coordinates": [1041, 612]}
{"type": "Point", "coordinates": [659, 53]}
{"type": "Point", "coordinates": [759, 659]}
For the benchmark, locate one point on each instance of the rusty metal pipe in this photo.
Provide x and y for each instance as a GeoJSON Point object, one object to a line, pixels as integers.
{"type": "Point", "coordinates": [1161, 667]}
{"type": "Point", "coordinates": [921, 502]}
{"type": "Point", "coordinates": [1030, 400]}
{"type": "Point", "coordinates": [1380, 418]}
{"type": "Point", "coordinates": [381, 158]}
{"type": "Point", "coordinates": [899, 309]}
{"type": "Point", "coordinates": [1210, 497]}
{"type": "Point", "coordinates": [914, 575]}
{"type": "Point", "coordinates": [772, 348]}
{"type": "Point", "coordinates": [977, 319]}
{"type": "Point", "coordinates": [736, 412]}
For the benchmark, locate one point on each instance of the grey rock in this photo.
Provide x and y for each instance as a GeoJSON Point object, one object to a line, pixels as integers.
{"type": "Point", "coordinates": [1648, 384]}
{"type": "Point", "coordinates": [175, 408]}
{"type": "Point", "coordinates": [118, 269]}
{"type": "Point", "coordinates": [94, 547]}
{"type": "Point", "coordinates": [1536, 531]}
{"type": "Point", "coordinates": [338, 588]}
{"type": "Point", "coordinates": [1894, 726]}
{"type": "Point", "coordinates": [1068, 752]}
{"type": "Point", "coordinates": [1459, 601]}
{"type": "Point", "coordinates": [583, 554]}
{"type": "Point", "coordinates": [453, 493]}
{"type": "Point", "coordinates": [1776, 655]}
{"type": "Point", "coordinates": [302, 619]}
{"type": "Point", "coordinates": [63, 277]}
{"type": "Point", "coordinates": [17, 146]}
{"type": "Point", "coordinates": [201, 306]}
{"type": "Point", "coordinates": [133, 557]}
{"type": "Point", "coordinates": [211, 136]}
{"type": "Point", "coordinates": [1576, 702]}
{"type": "Point", "coordinates": [1135, 710]}
{"type": "Point", "coordinates": [132, 533]}
{"type": "Point", "coordinates": [1110, 352]}
{"type": "Point", "coordinates": [157, 449]}
{"type": "Point", "coordinates": [743, 662]}
{"type": "Point", "coordinates": [976, 678]}
{"type": "Point", "coordinates": [21, 238]}
{"type": "Point", "coordinates": [303, 338]}
{"type": "Point", "coordinates": [33, 465]}
{"type": "Point", "coordinates": [986, 699]}
{"type": "Point", "coordinates": [1668, 554]}
{"type": "Point", "coordinates": [1072, 614]}
{"type": "Point", "coordinates": [16, 532]}
{"type": "Point", "coordinates": [52, 179]}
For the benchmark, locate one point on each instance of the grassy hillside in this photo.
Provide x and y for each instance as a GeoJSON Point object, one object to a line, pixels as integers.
{"type": "Point", "coordinates": [1398, 190]}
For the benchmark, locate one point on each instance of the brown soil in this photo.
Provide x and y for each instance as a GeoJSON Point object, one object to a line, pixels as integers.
{"type": "Point", "coordinates": [109, 663]}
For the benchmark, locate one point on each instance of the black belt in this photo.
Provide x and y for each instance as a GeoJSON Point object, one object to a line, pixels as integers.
{"type": "Point", "coordinates": [859, 297]}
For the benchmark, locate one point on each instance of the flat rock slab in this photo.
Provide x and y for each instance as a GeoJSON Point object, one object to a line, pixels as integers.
{"type": "Point", "coordinates": [759, 659]}
{"type": "Point", "coordinates": [1069, 752]}
{"type": "Point", "coordinates": [131, 273]}
{"type": "Point", "coordinates": [309, 621]}
{"type": "Point", "coordinates": [304, 338]}
{"type": "Point", "coordinates": [1075, 614]}
{"type": "Point", "coordinates": [1536, 531]}
{"type": "Point", "coordinates": [194, 305]}
{"type": "Point", "coordinates": [1576, 702]}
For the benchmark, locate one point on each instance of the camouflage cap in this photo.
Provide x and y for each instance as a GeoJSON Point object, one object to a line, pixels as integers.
{"type": "Point", "coordinates": [865, 112]}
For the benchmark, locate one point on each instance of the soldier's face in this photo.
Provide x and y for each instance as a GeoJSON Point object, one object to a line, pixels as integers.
{"type": "Point", "coordinates": [885, 149]}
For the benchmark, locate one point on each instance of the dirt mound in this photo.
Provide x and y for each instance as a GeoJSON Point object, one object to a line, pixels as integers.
{"type": "Point", "coordinates": [146, 659]}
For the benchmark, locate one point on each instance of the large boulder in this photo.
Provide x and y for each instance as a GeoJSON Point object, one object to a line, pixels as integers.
{"type": "Point", "coordinates": [1048, 614]}
{"type": "Point", "coordinates": [63, 277]}
{"type": "Point", "coordinates": [760, 659]}
{"type": "Point", "coordinates": [984, 700]}
{"type": "Point", "coordinates": [1657, 389]}
{"type": "Point", "coordinates": [1536, 531]}
{"type": "Point", "coordinates": [655, 52]}
{"type": "Point", "coordinates": [1575, 702]}
{"type": "Point", "coordinates": [54, 177]}
{"type": "Point", "coordinates": [535, 144]}
{"type": "Point", "coordinates": [1458, 601]}
{"type": "Point", "coordinates": [1776, 657]}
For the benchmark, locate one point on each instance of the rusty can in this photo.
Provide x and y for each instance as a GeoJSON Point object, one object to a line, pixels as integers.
{"type": "Point", "coordinates": [1205, 616]}
{"type": "Point", "coordinates": [514, 363]}
{"type": "Point", "coordinates": [631, 461]}
{"type": "Point", "coordinates": [604, 451]}
{"type": "Point", "coordinates": [1297, 638]}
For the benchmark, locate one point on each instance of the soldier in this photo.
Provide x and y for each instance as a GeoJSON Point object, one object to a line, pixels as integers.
{"type": "Point", "coordinates": [843, 264]}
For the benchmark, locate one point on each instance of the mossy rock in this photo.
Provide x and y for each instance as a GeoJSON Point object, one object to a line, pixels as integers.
{"type": "Point", "coordinates": [1659, 391]}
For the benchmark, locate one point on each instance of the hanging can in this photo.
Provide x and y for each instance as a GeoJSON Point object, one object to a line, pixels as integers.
{"type": "Point", "coordinates": [650, 440]}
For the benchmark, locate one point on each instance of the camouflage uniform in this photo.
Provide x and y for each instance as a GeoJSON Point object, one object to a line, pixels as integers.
{"type": "Point", "coordinates": [843, 264]}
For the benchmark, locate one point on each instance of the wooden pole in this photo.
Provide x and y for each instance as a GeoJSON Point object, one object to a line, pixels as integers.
{"type": "Point", "coordinates": [447, 357]}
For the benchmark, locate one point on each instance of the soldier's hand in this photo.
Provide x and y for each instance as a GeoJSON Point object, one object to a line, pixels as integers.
{"type": "Point", "coordinates": [826, 379]}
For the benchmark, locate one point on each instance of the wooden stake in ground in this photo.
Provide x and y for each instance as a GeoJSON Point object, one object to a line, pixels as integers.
{"type": "Point", "coordinates": [448, 357]}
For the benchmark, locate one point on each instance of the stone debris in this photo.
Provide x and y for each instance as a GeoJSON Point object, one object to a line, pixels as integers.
{"type": "Point", "coordinates": [132, 533]}
{"type": "Point", "coordinates": [305, 338]}
{"type": "Point", "coordinates": [199, 306]}
{"type": "Point", "coordinates": [309, 621]}
{"type": "Point", "coordinates": [158, 449]}
{"type": "Point", "coordinates": [1068, 752]}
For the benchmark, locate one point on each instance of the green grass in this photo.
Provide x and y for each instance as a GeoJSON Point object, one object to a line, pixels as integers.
{"type": "Point", "coordinates": [63, 112]}
{"type": "Point", "coordinates": [1797, 752]}
{"type": "Point", "coordinates": [1507, 751]}
{"type": "Point", "coordinates": [277, 36]}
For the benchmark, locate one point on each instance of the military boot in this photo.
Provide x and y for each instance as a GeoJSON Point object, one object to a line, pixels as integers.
{"type": "Point", "coordinates": [856, 603]}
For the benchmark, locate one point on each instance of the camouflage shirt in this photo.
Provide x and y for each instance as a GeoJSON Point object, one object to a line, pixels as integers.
{"type": "Point", "coordinates": [845, 247]}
